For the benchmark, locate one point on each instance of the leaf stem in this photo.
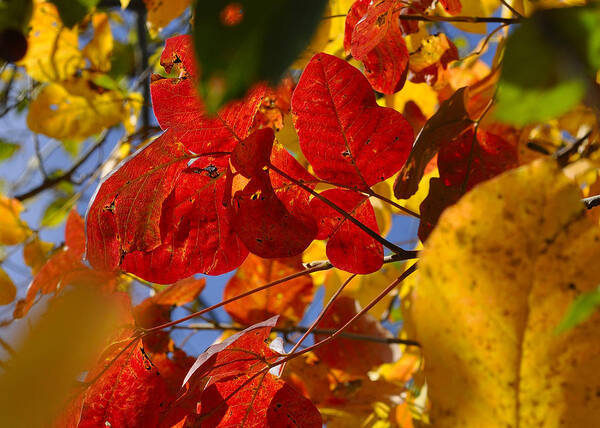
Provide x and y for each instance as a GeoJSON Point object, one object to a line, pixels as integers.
{"type": "Point", "coordinates": [368, 231]}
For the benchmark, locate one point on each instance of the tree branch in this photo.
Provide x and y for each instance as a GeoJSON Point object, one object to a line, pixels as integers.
{"type": "Point", "coordinates": [591, 202]}
{"type": "Point", "coordinates": [301, 329]}
{"type": "Point", "coordinates": [50, 182]}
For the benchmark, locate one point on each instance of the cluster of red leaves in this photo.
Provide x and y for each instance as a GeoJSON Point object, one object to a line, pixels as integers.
{"type": "Point", "coordinates": [213, 188]}
{"type": "Point", "coordinates": [374, 34]}
{"type": "Point", "coordinates": [229, 384]}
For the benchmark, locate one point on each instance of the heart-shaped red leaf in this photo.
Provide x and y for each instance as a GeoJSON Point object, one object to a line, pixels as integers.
{"type": "Point", "coordinates": [344, 134]}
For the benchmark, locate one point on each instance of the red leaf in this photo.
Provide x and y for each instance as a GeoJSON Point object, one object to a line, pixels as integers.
{"type": "Point", "coordinates": [289, 300]}
{"type": "Point", "coordinates": [243, 353]}
{"type": "Point", "coordinates": [130, 393]}
{"type": "Point", "coordinates": [378, 42]}
{"type": "Point", "coordinates": [449, 121]}
{"type": "Point", "coordinates": [439, 198]}
{"type": "Point", "coordinates": [124, 216]}
{"type": "Point", "coordinates": [352, 356]}
{"type": "Point", "coordinates": [357, 11]}
{"type": "Point", "coordinates": [262, 401]}
{"type": "Point", "coordinates": [180, 293]}
{"type": "Point", "coordinates": [349, 248]}
{"type": "Point", "coordinates": [251, 155]}
{"type": "Point", "coordinates": [179, 50]}
{"type": "Point", "coordinates": [65, 267]}
{"type": "Point", "coordinates": [453, 7]}
{"type": "Point", "coordinates": [178, 107]}
{"type": "Point", "coordinates": [344, 134]}
{"type": "Point", "coordinates": [75, 234]}
{"type": "Point", "coordinates": [196, 227]}
{"type": "Point", "coordinates": [475, 160]}
{"type": "Point", "coordinates": [271, 213]}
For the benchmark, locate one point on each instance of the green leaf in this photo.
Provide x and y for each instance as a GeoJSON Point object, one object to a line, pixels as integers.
{"type": "Point", "coordinates": [549, 65]}
{"type": "Point", "coordinates": [72, 147]}
{"type": "Point", "coordinates": [7, 150]}
{"type": "Point", "coordinates": [73, 11]}
{"type": "Point", "coordinates": [56, 212]}
{"type": "Point", "coordinates": [261, 46]}
{"type": "Point", "coordinates": [106, 82]}
{"type": "Point", "coordinates": [580, 310]}
{"type": "Point", "coordinates": [15, 14]}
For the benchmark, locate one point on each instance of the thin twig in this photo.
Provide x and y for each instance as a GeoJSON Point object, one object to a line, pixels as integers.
{"type": "Point", "coordinates": [512, 9]}
{"type": "Point", "coordinates": [563, 154]}
{"type": "Point", "coordinates": [437, 18]}
{"type": "Point", "coordinates": [50, 182]}
{"type": "Point", "coordinates": [313, 326]}
{"type": "Point", "coordinates": [364, 310]}
{"type": "Point", "coordinates": [301, 329]}
{"type": "Point", "coordinates": [368, 231]}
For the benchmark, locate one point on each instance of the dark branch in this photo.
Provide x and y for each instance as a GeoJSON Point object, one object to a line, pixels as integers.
{"type": "Point", "coordinates": [301, 329]}
{"type": "Point", "coordinates": [50, 182]}
{"type": "Point", "coordinates": [591, 202]}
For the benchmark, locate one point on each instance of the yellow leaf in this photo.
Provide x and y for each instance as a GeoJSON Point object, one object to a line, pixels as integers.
{"type": "Point", "coordinates": [125, 3]}
{"type": "Point", "coordinates": [8, 291]}
{"type": "Point", "coordinates": [53, 50]}
{"type": "Point", "coordinates": [421, 94]}
{"type": "Point", "coordinates": [99, 49]}
{"type": "Point", "coordinates": [339, 9]}
{"type": "Point", "coordinates": [75, 110]}
{"type": "Point", "coordinates": [495, 279]}
{"type": "Point", "coordinates": [475, 8]}
{"type": "Point", "coordinates": [36, 253]}
{"type": "Point", "coordinates": [13, 231]}
{"type": "Point", "coordinates": [58, 345]}
{"type": "Point", "coordinates": [161, 12]}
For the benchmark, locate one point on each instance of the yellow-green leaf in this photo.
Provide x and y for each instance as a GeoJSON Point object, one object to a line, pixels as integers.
{"type": "Point", "coordinates": [8, 291]}
{"type": "Point", "coordinates": [495, 279]}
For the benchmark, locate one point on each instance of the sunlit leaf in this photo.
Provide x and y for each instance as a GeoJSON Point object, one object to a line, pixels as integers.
{"type": "Point", "coordinates": [161, 13]}
{"type": "Point", "coordinates": [377, 40]}
{"type": "Point", "coordinates": [99, 50]}
{"type": "Point", "coordinates": [76, 110]}
{"type": "Point", "coordinates": [8, 291]}
{"type": "Point", "coordinates": [264, 400]}
{"type": "Point", "coordinates": [344, 134]}
{"type": "Point", "coordinates": [41, 373]}
{"type": "Point", "coordinates": [53, 51]}
{"type": "Point", "coordinates": [289, 300]}
{"type": "Point", "coordinates": [449, 121]}
{"type": "Point", "coordinates": [12, 229]}
{"type": "Point", "coordinates": [486, 307]}
{"type": "Point", "coordinates": [355, 357]}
